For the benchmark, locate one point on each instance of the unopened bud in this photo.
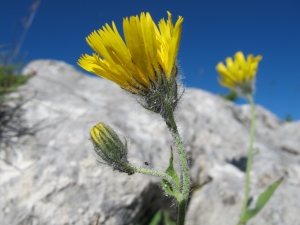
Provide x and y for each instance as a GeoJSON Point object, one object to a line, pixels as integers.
{"type": "Point", "coordinates": [110, 148]}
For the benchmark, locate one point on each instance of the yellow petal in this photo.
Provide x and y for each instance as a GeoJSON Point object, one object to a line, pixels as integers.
{"type": "Point", "coordinates": [135, 63]}
{"type": "Point", "coordinates": [240, 59]}
{"type": "Point", "coordinates": [238, 72]}
{"type": "Point", "coordinates": [174, 46]}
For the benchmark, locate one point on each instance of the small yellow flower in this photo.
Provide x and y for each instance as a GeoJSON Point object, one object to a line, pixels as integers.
{"type": "Point", "coordinates": [239, 75]}
{"type": "Point", "coordinates": [137, 64]}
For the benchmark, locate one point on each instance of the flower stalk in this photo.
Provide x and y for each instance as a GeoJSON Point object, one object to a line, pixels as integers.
{"type": "Point", "coordinates": [155, 173]}
{"type": "Point", "coordinates": [249, 159]}
{"type": "Point", "coordinates": [182, 205]}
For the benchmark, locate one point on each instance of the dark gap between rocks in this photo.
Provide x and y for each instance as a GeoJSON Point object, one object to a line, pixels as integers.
{"type": "Point", "coordinates": [239, 163]}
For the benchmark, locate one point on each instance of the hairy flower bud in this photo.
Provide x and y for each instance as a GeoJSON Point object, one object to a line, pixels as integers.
{"type": "Point", "coordinates": [110, 148]}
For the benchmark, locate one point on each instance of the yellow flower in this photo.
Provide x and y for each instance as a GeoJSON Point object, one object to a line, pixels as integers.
{"type": "Point", "coordinates": [137, 64]}
{"type": "Point", "coordinates": [239, 75]}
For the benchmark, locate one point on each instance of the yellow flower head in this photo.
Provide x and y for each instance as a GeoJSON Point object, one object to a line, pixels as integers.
{"type": "Point", "coordinates": [239, 75]}
{"type": "Point", "coordinates": [136, 64]}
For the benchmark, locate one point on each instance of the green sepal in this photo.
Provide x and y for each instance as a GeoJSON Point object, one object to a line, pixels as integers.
{"type": "Point", "coordinates": [261, 202]}
{"type": "Point", "coordinates": [147, 108]}
{"type": "Point", "coordinates": [172, 172]}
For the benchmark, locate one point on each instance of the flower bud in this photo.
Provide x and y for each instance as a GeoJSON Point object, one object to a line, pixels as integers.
{"type": "Point", "coordinates": [110, 148]}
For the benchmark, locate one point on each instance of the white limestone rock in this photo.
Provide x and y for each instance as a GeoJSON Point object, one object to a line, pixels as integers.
{"type": "Point", "coordinates": [60, 182]}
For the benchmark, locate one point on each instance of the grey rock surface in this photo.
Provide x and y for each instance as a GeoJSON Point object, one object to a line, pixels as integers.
{"type": "Point", "coordinates": [54, 177]}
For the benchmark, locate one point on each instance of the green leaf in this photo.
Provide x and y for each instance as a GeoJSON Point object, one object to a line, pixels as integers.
{"type": "Point", "coordinates": [171, 171]}
{"type": "Point", "coordinates": [231, 96]}
{"type": "Point", "coordinates": [261, 202]}
{"type": "Point", "coordinates": [167, 219]}
{"type": "Point", "coordinates": [156, 218]}
{"type": "Point", "coordinates": [162, 217]}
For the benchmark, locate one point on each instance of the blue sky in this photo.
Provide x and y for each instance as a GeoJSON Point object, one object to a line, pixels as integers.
{"type": "Point", "coordinates": [212, 31]}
